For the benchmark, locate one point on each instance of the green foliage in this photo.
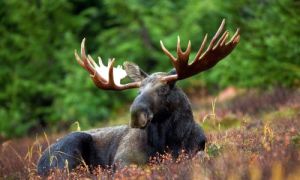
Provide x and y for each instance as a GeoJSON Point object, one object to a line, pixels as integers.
{"type": "Point", "coordinates": [296, 140]}
{"type": "Point", "coordinates": [34, 39]}
{"type": "Point", "coordinates": [213, 150]}
{"type": "Point", "coordinates": [42, 86]}
{"type": "Point", "coordinates": [268, 53]}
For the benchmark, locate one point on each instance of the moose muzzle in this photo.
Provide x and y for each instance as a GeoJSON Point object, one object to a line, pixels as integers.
{"type": "Point", "coordinates": [141, 114]}
{"type": "Point", "coordinates": [139, 120]}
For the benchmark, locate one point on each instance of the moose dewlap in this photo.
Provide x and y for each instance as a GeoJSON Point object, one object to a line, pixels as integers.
{"type": "Point", "coordinates": [161, 115]}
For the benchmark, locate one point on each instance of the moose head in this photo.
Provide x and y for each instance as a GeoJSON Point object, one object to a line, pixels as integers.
{"type": "Point", "coordinates": [158, 94]}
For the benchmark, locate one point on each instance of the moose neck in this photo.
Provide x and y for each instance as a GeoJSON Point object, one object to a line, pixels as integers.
{"type": "Point", "coordinates": [171, 126]}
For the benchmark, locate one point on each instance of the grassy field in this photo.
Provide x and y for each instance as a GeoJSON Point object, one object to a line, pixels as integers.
{"type": "Point", "coordinates": [251, 135]}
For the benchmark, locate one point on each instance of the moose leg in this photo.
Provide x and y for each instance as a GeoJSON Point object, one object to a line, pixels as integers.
{"type": "Point", "coordinates": [196, 140]}
{"type": "Point", "coordinates": [68, 152]}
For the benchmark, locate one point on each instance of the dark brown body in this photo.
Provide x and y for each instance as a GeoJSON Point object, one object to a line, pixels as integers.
{"type": "Point", "coordinates": [171, 129]}
{"type": "Point", "coordinates": [120, 144]}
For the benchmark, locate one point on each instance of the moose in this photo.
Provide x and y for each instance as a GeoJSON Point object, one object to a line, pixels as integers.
{"type": "Point", "coordinates": [161, 114]}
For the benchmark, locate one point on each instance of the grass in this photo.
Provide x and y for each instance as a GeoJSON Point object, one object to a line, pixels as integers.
{"type": "Point", "coordinates": [245, 141]}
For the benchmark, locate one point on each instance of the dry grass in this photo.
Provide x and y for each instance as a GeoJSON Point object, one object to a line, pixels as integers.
{"type": "Point", "coordinates": [265, 145]}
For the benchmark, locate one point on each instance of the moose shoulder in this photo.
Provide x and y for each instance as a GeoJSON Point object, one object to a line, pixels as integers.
{"type": "Point", "coordinates": [161, 115]}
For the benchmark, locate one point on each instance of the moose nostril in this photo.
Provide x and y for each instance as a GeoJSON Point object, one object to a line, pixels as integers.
{"type": "Point", "coordinates": [138, 119]}
{"type": "Point", "coordinates": [142, 119]}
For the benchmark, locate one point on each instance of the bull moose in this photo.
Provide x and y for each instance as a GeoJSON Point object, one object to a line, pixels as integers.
{"type": "Point", "coordinates": [161, 114]}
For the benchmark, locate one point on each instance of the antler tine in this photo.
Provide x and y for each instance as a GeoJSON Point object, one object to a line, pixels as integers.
{"type": "Point", "coordinates": [100, 61]}
{"type": "Point", "coordinates": [96, 72]}
{"type": "Point", "coordinates": [83, 48]}
{"type": "Point", "coordinates": [188, 49]}
{"type": "Point", "coordinates": [78, 58]}
{"type": "Point", "coordinates": [179, 50]}
{"type": "Point", "coordinates": [83, 61]}
{"type": "Point", "coordinates": [111, 63]}
{"type": "Point", "coordinates": [221, 40]}
{"type": "Point", "coordinates": [173, 59]}
{"type": "Point", "coordinates": [236, 37]}
{"type": "Point", "coordinates": [221, 28]}
{"type": "Point", "coordinates": [183, 57]}
{"type": "Point", "coordinates": [91, 61]}
{"type": "Point", "coordinates": [201, 48]}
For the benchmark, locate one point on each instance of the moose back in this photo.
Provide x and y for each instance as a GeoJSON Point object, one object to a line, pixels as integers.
{"type": "Point", "coordinates": [161, 114]}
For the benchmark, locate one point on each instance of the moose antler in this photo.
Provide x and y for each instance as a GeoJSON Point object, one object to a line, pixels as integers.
{"type": "Point", "coordinates": [203, 61]}
{"type": "Point", "coordinates": [103, 76]}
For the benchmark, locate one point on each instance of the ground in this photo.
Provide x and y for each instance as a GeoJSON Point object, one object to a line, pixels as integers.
{"type": "Point", "coordinates": [251, 134]}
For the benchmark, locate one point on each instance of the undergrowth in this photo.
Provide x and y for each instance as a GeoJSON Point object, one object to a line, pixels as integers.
{"type": "Point", "coordinates": [260, 144]}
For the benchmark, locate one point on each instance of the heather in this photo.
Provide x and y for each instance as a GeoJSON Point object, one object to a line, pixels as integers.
{"type": "Point", "coordinates": [246, 143]}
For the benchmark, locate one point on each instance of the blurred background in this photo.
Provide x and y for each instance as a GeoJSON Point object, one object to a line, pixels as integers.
{"type": "Point", "coordinates": [42, 88]}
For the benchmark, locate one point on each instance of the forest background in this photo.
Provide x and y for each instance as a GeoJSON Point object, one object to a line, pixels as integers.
{"type": "Point", "coordinates": [42, 88]}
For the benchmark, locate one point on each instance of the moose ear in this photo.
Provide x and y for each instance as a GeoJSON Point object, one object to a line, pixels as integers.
{"type": "Point", "coordinates": [134, 72]}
